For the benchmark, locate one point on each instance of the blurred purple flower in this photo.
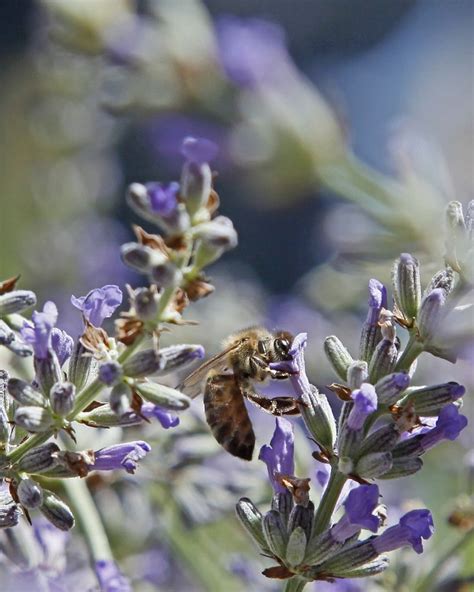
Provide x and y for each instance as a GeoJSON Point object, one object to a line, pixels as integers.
{"type": "Point", "coordinates": [198, 150]}
{"type": "Point", "coordinates": [99, 303]}
{"type": "Point", "coordinates": [251, 50]}
{"type": "Point", "coordinates": [52, 542]}
{"type": "Point", "coordinates": [62, 344]}
{"type": "Point", "coordinates": [412, 528]}
{"type": "Point", "coordinates": [365, 403]}
{"type": "Point", "coordinates": [110, 577]}
{"type": "Point", "coordinates": [38, 332]}
{"type": "Point", "coordinates": [359, 505]}
{"type": "Point", "coordinates": [120, 456]}
{"type": "Point", "coordinates": [279, 456]}
{"type": "Point", "coordinates": [163, 198]}
{"type": "Point", "coordinates": [110, 372]}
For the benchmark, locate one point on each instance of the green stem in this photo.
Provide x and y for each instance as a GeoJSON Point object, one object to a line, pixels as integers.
{"type": "Point", "coordinates": [27, 445]}
{"type": "Point", "coordinates": [88, 518]}
{"type": "Point", "coordinates": [409, 355]}
{"type": "Point", "coordinates": [427, 582]}
{"type": "Point", "coordinates": [329, 501]}
{"type": "Point", "coordinates": [195, 547]}
{"type": "Point", "coordinates": [295, 584]}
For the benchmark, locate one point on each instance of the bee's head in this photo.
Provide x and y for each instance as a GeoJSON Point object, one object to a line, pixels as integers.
{"type": "Point", "coordinates": [282, 345]}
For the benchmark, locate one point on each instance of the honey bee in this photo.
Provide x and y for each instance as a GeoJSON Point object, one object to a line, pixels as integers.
{"type": "Point", "coordinates": [230, 377]}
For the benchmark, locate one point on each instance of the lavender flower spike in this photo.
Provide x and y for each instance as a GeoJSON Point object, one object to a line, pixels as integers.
{"type": "Point", "coordinates": [359, 505]}
{"type": "Point", "coordinates": [365, 403]}
{"type": "Point", "coordinates": [99, 304]}
{"type": "Point", "coordinates": [38, 333]}
{"type": "Point", "coordinates": [110, 577]}
{"type": "Point", "coordinates": [120, 456]}
{"type": "Point", "coordinates": [279, 456]}
{"type": "Point", "coordinates": [413, 527]}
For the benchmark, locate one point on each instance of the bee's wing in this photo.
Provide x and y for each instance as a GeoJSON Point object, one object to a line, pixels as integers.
{"type": "Point", "coordinates": [192, 385]}
{"type": "Point", "coordinates": [227, 415]}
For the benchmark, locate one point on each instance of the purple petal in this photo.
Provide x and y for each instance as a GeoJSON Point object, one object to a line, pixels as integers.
{"type": "Point", "coordinates": [163, 198]}
{"type": "Point", "coordinates": [419, 524]}
{"type": "Point", "coordinates": [120, 456]}
{"type": "Point", "coordinates": [198, 150]}
{"type": "Point", "coordinates": [62, 344]}
{"type": "Point", "coordinates": [38, 332]}
{"type": "Point", "coordinates": [279, 456]}
{"type": "Point", "coordinates": [165, 417]}
{"type": "Point", "coordinates": [359, 505]}
{"type": "Point", "coordinates": [99, 304]}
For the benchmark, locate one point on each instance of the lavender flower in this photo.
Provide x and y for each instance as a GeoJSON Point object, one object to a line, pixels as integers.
{"type": "Point", "coordinates": [62, 344]}
{"type": "Point", "coordinates": [449, 425]}
{"type": "Point", "coordinates": [359, 505]}
{"type": "Point", "coordinates": [198, 150]}
{"type": "Point", "coordinates": [365, 403]}
{"type": "Point", "coordinates": [38, 332]}
{"type": "Point", "coordinates": [412, 528]}
{"type": "Point", "coordinates": [99, 304]}
{"type": "Point", "coordinates": [279, 456]}
{"type": "Point", "coordinates": [110, 577]}
{"type": "Point", "coordinates": [165, 417]}
{"type": "Point", "coordinates": [163, 198]}
{"type": "Point", "coordinates": [120, 456]}
{"type": "Point", "coordinates": [371, 333]}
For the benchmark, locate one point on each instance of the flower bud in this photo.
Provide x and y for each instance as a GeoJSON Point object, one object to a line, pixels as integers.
{"type": "Point", "coordinates": [319, 418]}
{"type": "Point", "coordinates": [349, 559]}
{"type": "Point", "coordinates": [56, 511]}
{"type": "Point", "coordinates": [283, 503]}
{"type": "Point", "coordinates": [374, 465]}
{"type": "Point", "coordinates": [369, 569]}
{"type": "Point", "coordinates": [120, 398]}
{"type": "Point", "coordinates": [443, 279]}
{"type": "Point", "coordinates": [429, 400]}
{"type": "Point", "coordinates": [33, 419]}
{"type": "Point", "coordinates": [149, 362]}
{"type": "Point", "coordinates": [16, 301]}
{"type": "Point", "coordinates": [401, 467]}
{"type": "Point", "coordinates": [411, 447]}
{"type": "Point", "coordinates": [136, 256]}
{"type": "Point", "coordinates": [252, 520]}
{"type": "Point", "coordinates": [296, 547]}
{"type": "Point", "coordinates": [30, 493]}
{"type": "Point", "coordinates": [39, 459]}
{"type": "Point", "coordinates": [80, 365]}
{"type": "Point", "coordinates": [215, 237]}
{"type": "Point", "coordinates": [164, 273]}
{"type": "Point", "coordinates": [20, 349]}
{"type": "Point", "coordinates": [302, 517]}
{"type": "Point", "coordinates": [383, 360]}
{"type": "Point", "coordinates": [105, 416]}
{"type": "Point", "coordinates": [110, 373]}
{"type": "Point", "coordinates": [407, 285]}
{"type": "Point", "coordinates": [390, 387]}
{"type": "Point", "coordinates": [62, 397]}
{"type": "Point", "coordinates": [196, 185]}
{"type": "Point", "coordinates": [25, 394]}
{"type": "Point", "coordinates": [146, 303]}
{"type": "Point", "coordinates": [431, 313]}
{"type": "Point", "coordinates": [275, 533]}
{"type": "Point", "coordinates": [357, 373]}
{"type": "Point", "coordinates": [6, 334]}
{"type": "Point", "coordinates": [371, 333]}
{"type": "Point", "coordinates": [165, 396]}
{"type": "Point", "coordinates": [48, 371]}
{"type": "Point", "coordinates": [338, 355]}
{"type": "Point", "coordinates": [382, 440]}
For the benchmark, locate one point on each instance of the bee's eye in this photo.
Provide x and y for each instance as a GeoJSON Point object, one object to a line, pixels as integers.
{"type": "Point", "coordinates": [262, 347]}
{"type": "Point", "coordinates": [282, 346]}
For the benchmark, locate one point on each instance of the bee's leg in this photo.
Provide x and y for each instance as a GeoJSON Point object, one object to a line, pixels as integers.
{"type": "Point", "coordinates": [277, 405]}
{"type": "Point", "coordinates": [260, 365]}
